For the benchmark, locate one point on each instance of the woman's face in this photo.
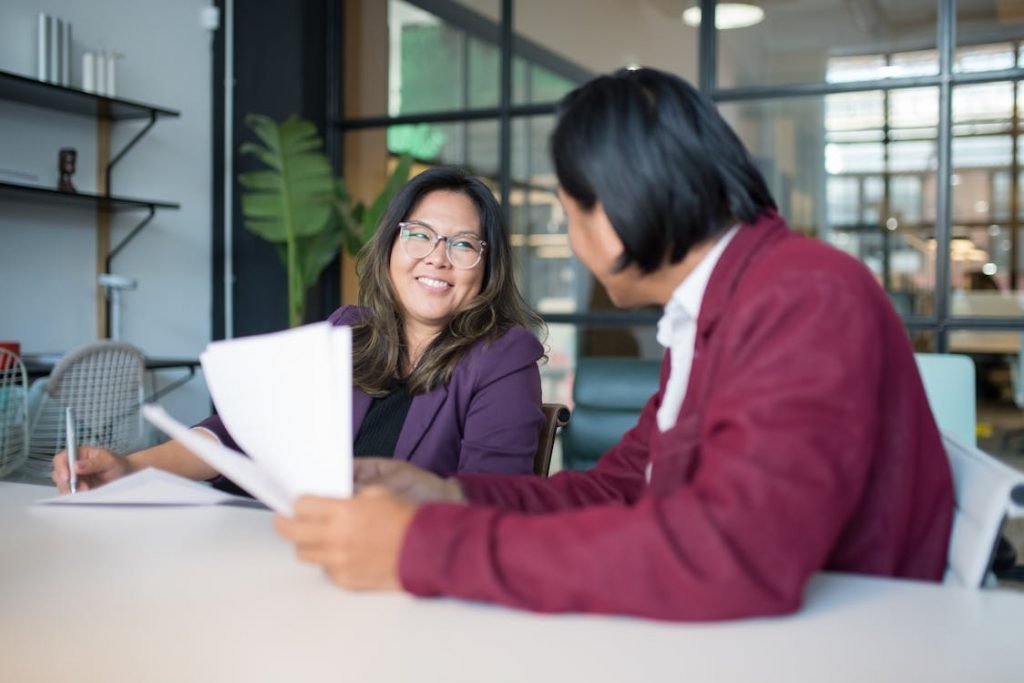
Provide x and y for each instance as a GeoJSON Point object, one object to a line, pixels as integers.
{"type": "Point", "coordinates": [598, 247]}
{"type": "Point", "coordinates": [430, 290]}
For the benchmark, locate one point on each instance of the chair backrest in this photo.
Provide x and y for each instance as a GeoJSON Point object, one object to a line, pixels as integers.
{"type": "Point", "coordinates": [986, 492]}
{"type": "Point", "coordinates": [13, 412]}
{"type": "Point", "coordinates": [608, 396]}
{"type": "Point", "coordinates": [102, 383]}
{"type": "Point", "coordinates": [556, 415]}
{"type": "Point", "coordinates": [949, 383]}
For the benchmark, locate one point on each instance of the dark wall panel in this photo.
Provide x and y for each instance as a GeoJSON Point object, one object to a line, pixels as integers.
{"type": "Point", "coordinates": [281, 68]}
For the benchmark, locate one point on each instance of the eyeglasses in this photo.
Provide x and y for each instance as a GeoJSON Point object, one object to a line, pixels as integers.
{"type": "Point", "coordinates": [419, 241]}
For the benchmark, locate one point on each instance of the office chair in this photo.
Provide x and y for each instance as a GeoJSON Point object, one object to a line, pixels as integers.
{"type": "Point", "coordinates": [102, 384]}
{"type": "Point", "coordinates": [948, 380]}
{"type": "Point", "coordinates": [982, 497]}
{"type": "Point", "coordinates": [556, 416]}
{"type": "Point", "coordinates": [608, 396]}
{"type": "Point", "coordinates": [13, 412]}
{"type": "Point", "coordinates": [986, 492]}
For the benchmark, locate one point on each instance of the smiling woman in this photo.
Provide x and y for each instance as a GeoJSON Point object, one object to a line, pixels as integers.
{"type": "Point", "coordinates": [444, 352]}
{"type": "Point", "coordinates": [430, 285]}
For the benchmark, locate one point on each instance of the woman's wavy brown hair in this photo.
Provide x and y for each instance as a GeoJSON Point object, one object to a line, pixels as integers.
{"type": "Point", "coordinates": [379, 347]}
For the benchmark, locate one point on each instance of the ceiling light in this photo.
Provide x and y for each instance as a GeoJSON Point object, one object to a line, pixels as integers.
{"type": "Point", "coordinates": [727, 15]}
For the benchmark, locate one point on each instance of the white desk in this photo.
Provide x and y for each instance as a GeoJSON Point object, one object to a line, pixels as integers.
{"type": "Point", "coordinates": [211, 594]}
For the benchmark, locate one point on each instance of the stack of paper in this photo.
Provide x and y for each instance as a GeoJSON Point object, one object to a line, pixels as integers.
{"type": "Point", "coordinates": [286, 398]}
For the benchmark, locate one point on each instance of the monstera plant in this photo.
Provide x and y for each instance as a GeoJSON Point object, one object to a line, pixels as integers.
{"type": "Point", "coordinates": [298, 205]}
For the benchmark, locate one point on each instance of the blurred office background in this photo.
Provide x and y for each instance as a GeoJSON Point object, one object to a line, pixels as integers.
{"type": "Point", "coordinates": [888, 128]}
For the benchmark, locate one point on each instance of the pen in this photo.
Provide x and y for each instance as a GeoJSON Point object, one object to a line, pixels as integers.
{"type": "Point", "coordinates": [72, 453]}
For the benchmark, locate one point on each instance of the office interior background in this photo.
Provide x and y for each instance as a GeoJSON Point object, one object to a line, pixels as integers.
{"type": "Point", "coordinates": [888, 128]}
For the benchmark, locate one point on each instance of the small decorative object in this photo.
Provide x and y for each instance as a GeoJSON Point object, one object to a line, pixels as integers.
{"type": "Point", "coordinates": [43, 47]}
{"type": "Point", "coordinates": [99, 72]}
{"type": "Point", "coordinates": [88, 72]}
{"type": "Point", "coordinates": [53, 50]}
{"type": "Point", "coordinates": [68, 156]}
{"type": "Point", "coordinates": [111, 75]}
{"type": "Point", "coordinates": [65, 61]}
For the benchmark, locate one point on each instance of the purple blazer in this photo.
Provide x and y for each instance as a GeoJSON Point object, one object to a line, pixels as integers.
{"type": "Point", "coordinates": [486, 419]}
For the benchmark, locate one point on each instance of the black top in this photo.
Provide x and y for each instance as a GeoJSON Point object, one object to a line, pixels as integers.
{"type": "Point", "coordinates": [379, 432]}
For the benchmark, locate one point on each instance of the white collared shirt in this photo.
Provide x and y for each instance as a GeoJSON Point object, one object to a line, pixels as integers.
{"type": "Point", "coordinates": [677, 330]}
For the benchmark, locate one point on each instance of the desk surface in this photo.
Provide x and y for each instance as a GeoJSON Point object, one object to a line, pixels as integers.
{"type": "Point", "coordinates": [211, 594]}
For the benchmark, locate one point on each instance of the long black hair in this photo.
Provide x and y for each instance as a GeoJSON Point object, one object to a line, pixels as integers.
{"type": "Point", "coordinates": [661, 160]}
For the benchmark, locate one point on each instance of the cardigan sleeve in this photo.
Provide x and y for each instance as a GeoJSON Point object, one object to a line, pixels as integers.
{"type": "Point", "coordinates": [617, 477]}
{"type": "Point", "coordinates": [784, 452]}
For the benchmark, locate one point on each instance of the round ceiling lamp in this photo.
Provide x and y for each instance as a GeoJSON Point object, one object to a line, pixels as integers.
{"type": "Point", "coordinates": [727, 15]}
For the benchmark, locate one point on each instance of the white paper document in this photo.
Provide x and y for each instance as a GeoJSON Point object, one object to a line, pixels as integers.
{"type": "Point", "coordinates": [286, 399]}
{"type": "Point", "coordinates": [147, 487]}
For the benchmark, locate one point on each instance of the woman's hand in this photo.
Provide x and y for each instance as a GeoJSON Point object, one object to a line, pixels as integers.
{"type": "Point", "coordinates": [408, 481]}
{"type": "Point", "coordinates": [94, 467]}
{"type": "Point", "coordinates": [356, 541]}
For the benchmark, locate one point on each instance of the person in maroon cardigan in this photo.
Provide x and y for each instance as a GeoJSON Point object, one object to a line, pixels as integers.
{"type": "Point", "coordinates": [790, 433]}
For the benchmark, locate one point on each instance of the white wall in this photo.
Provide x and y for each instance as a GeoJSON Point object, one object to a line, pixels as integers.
{"type": "Point", "coordinates": [48, 255]}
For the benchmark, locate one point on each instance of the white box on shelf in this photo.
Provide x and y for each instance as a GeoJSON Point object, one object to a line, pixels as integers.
{"type": "Point", "coordinates": [101, 73]}
{"type": "Point", "coordinates": [65, 62]}
{"type": "Point", "coordinates": [43, 46]}
{"type": "Point", "coordinates": [88, 72]}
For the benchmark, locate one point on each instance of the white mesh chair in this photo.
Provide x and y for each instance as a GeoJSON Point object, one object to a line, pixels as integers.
{"type": "Point", "coordinates": [986, 493]}
{"type": "Point", "coordinates": [13, 412]}
{"type": "Point", "coordinates": [102, 384]}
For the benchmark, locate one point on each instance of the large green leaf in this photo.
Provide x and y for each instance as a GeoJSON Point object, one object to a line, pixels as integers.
{"type": "Point", "coordinates": [373, 213]}
{"type": "Point", "coordinates": [297, 204]}
{"type": "Point", "coordinates": [291, 201]}
{"type": "Point", "coordinates": [295, 197]}
{"type": "Point", "coordinates": [319, 251]}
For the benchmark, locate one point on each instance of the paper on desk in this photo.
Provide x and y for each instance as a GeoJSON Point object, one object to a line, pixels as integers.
{"type": "Point", "coordinates": [286, 398]}
{"type": "Point", "coordinates": [147, 487]}
{"type": "Point", "coordinates": [232, 465]}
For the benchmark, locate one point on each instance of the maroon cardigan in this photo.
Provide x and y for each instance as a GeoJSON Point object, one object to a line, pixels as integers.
{"type": "Point", "coordinates": [804, 443]}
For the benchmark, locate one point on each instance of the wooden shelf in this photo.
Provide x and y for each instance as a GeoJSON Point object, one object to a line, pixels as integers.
{"type": "Point", "coordinates": [45, 195]}
{"type": "Point", "coordinates": [29, 91]}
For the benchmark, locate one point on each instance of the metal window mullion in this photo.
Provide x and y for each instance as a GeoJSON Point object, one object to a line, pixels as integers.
{"type": "Point", "coordinates": [504, 115]}
{"type": "Point", "coordinates": [943, 211]}
{"type": "Point", "coordinates": [707, 50]}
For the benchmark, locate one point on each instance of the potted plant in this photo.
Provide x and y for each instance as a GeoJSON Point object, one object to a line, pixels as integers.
{"type": "Point", "coordinates": [298, 205]}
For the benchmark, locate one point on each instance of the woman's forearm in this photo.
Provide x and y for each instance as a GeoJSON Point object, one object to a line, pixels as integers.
{"type": "Point", "coordinates": [174, 458]}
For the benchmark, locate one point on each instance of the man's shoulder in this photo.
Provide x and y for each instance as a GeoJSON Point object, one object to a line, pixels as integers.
{"type": "Point", "coordinates": [801, 261]}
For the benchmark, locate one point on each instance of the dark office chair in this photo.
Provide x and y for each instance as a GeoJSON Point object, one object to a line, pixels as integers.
{"type": "Point", "coordinates": [556, 416]}
{"type": "Point", "coordinates": [608, 396]}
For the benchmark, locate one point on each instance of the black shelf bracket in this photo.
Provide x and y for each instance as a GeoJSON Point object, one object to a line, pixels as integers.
{"type": "Point", "coordinates": [129, 237]}
{"type": "Point", "coordinates": [126, 148]}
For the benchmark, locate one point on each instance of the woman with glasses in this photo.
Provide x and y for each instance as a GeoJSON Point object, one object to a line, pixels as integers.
{"type": "Point", "coordinates": [444, 357]}
{"type": "Point", "coordinates": [790, 433]}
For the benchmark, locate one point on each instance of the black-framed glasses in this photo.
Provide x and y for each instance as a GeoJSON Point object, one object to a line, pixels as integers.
{"type": "Point", "coordinates": [419, 240]}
